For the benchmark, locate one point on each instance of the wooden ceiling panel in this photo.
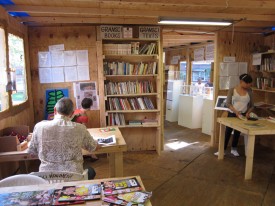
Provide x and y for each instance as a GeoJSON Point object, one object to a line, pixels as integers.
{"type": "Point", "coordinates": [253, 16]}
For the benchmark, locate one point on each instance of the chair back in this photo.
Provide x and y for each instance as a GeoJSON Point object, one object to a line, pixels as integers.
{"type": "Point", "coordinates": [22, 180]}
{"type": "Point", "coordinates": [61, 176]}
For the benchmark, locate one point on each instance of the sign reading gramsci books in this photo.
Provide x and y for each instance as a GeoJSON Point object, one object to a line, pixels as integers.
{"type": "Point", "coordinates": [149, 32]}
{"type": "Point", "coordinates": [111, 32]}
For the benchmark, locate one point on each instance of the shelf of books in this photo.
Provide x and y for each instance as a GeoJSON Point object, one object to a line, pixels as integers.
{"type": "Point", "coordinates": [132, 89]}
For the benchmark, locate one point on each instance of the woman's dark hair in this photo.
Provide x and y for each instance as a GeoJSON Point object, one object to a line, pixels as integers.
{"type": "Point", "coordinates": [246, 78]}
{"type": "Point", "coordinates": [86, 103]}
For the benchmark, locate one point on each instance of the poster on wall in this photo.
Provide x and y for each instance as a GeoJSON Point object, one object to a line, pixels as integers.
{"type": "Point", "coordinates": [86, 90]}
{"type": "Point", "coordinates": [52, 96]}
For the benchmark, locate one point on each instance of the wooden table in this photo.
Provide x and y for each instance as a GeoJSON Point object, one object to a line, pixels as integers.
{"type": "Point", "coordinates": [115, 152]}
{"type": "Point", "coordinates": [247, 128]}
{"type": "Point", "coordinates": [60, 185]}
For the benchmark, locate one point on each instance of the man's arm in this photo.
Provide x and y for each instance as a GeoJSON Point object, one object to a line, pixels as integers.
{"type": "Point", "coordinates": [33, 146]}
{"type": "Point", "coordinates": [89, 143]}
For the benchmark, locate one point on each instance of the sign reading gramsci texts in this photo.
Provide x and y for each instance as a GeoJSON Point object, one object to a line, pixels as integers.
{"type": "Point", "coordinates": [111, 32]}
{"type": "Point", "coordinates": [149, 32]}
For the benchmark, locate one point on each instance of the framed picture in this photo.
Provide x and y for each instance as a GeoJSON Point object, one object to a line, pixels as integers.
{"type": "Point", "coordinates": [221, 103]}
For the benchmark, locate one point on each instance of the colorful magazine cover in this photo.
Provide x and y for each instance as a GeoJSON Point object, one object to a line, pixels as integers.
{"type": "Point", "coordinates": [56, 197]}
{"type": "Point", "coordinates": [81, 192]}
{"type": "Point", "coordinates": [43, 197]}
{"type": "Point", "coordinates": [133, 198]}
{"type": "Point", "coordinates": [121, 186]}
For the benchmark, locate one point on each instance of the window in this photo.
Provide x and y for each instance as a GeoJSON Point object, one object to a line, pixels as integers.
{"type": "Point", "coordinates": [201, 70]}
{"type": "Point", "coordinates": [4, 96]}
{"type": "Point", "coordinates": [183, 72]}
{"type": "Point", "coordinates": [17, 70]}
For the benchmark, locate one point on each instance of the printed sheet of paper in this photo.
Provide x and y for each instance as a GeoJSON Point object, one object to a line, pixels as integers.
{"type": "Point", "coordinates": [224, 83]}
{"type": "Point", "coordinates": [223, 69]}
{"type": "Point", "coordinates": [57, 58]}
{"type": "Point", "coordinates": [58, 74]}
{"type": "Point", "coordinates": [69, 58]}
{"type": "Point", "coordinates": [70, 74]}
{"type": "Point", "coordinates": [45, 75]}
{"type": "Point", "coordinates": [88, 90]}
{"type": "Point", "coordinates": [83, 73]}
{"type": "Point", "coordinates": [257, 59]}
{"type": "Point", "coordinates": [233, 81]}
{"type": "Point", "coordinates": [242, 68]}
{"type": "Point", "coordinates": [233, 68]}
{"type": "Point", "coordinates": [82, 57]}
{"type": "Point", "coordinates": [44, 59]}
{"type": "Point", "coordinates": [57, 47]}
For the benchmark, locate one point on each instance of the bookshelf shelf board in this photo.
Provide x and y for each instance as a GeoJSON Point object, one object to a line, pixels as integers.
{"type": "Point", "coordinates": [129, 76]}
{"type": "Point", "coordinates": [263, 90]}
{"type": "Point", "coordinates": [130, 39]}
{"type": "Point", "coordinates": [133, 111]}
{"type": "Point", "coordinates": [144, 57]}
{"type": "Point", "coordinates": [128, 126]}
{"type": "Point", "coordinates": [132, 95]}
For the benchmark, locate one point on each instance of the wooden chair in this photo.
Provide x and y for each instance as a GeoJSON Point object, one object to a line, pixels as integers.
{"type": "Point", "coordinates": [22, 180]}
{"type": "Point", "coordinates": [61, 176]}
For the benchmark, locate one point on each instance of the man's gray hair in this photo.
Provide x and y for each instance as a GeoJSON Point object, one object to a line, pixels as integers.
{"type": "Point", "coordinates": [65, 106]}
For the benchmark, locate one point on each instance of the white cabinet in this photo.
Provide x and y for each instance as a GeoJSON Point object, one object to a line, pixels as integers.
{"type": "Point", "coordinates": [190, 111]}
{"type": "Point", "coordinates": [207, 116]}
{"type": "Point", "coordinates": [172, 100]}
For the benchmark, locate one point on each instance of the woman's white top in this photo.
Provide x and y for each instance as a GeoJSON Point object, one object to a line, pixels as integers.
{"type": "Point", "coordinates": [240, 102]}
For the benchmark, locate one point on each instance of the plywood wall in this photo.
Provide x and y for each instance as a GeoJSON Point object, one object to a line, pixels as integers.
{"type": "Point", "coordinates": [73, 38]}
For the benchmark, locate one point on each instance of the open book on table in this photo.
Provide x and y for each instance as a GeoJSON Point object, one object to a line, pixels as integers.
{"type": "Point", "coordinates": [105, 141]}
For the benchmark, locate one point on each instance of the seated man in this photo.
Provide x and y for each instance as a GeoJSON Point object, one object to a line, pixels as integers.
{"type": "Point", "coordinates": [59, 142]}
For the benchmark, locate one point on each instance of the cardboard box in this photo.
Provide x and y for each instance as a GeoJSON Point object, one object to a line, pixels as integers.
{"type": "Point", "coordinates": [10, 143]}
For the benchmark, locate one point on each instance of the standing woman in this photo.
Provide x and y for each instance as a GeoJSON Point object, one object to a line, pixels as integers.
{"type": "Point", "coordinates": [240, 102]}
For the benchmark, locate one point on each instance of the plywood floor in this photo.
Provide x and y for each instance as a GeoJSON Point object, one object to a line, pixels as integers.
{"type": "Point", "coordinates": [192, 175]}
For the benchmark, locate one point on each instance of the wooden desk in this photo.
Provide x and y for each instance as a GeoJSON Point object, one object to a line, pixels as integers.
{"type": "Point", "coordinates": [60, 185]}
{"type": "Point", "coordinates": [115, 152]}
{"type": "Point", "coordinates": [251, 132]}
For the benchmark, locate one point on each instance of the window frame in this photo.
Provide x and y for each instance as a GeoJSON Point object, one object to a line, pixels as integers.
{"type": "Point", "coordinates": [15, 109]}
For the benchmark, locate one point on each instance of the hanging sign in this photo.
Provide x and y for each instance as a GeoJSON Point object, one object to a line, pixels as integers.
{"type": "Point", "coordinates": [257, 59]}
{"type": "Point", "coordinates": [149, 32]}
{"type": "Point", "coordinates": [209, 52]}
{"type": "Point", "coordinates": [199, 54]}
{"type": "Point", "coordinates": [111, 32]}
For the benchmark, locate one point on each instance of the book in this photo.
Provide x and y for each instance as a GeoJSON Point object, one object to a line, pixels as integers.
{"type": "Point", "coordinates": [43, 197]}
{"type": "Point", "coordinates": [110, 140]}
{"type": "Point", "coordinates": [114, 187]}
{"type": "Point", "coordinates": [81, 192]}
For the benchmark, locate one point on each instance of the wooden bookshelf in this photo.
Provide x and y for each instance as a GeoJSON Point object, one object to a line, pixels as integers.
{"type": "Point", "coordinates": [133, 90]}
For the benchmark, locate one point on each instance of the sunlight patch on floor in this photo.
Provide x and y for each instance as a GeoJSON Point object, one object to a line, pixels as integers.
{"type": "Point", "coordinates": [179, 144]}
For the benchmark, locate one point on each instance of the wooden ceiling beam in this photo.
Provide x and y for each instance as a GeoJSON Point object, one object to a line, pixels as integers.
{"type": "Point", "coordinates": [137, 12]}
{"type": "Point", "coordinates": [259, 4]}
{"type": "Point", "coordinates": [189, 37]}
{"type": "Point", "coordinates": [89, 20]}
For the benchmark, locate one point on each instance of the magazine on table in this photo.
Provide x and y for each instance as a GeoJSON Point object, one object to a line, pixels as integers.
{"type": "Point", "coordinates": [131, 198]}
{"type": "Point", "coordinates": [105, 141]}
{"type": "Point", "coordinates": [43, 197]}
{"type": "Point", "coordinates": [114, 187]}
{"type": "Point", "coordinates": [81, 192]}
